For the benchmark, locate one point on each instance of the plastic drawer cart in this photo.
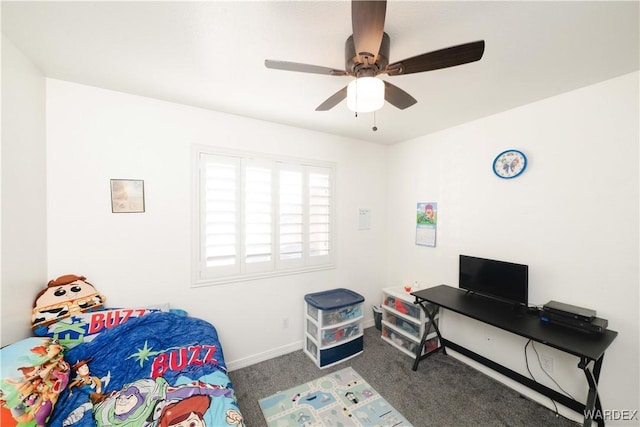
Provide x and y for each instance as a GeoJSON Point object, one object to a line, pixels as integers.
{"type": "Point", "coordinates": [333, 326]}
{"type": "Point", "coordinates": [403, 322]}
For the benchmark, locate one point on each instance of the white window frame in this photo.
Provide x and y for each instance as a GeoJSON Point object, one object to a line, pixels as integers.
{"type": "Point", "coordinates": [202, 275]}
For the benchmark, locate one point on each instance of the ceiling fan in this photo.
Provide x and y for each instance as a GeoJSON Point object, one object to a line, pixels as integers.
{"type": "Point", "coordinates": [367, 55]}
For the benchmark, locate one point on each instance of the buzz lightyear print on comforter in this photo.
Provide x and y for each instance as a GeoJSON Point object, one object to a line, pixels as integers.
{"type": "Point", "coordinates": [161, 369]}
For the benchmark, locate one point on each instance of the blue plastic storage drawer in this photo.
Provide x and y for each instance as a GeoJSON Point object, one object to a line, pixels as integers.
{"type": "Point", "coordinates": [335, 306]}
{"type": "Point", "coordinates": [333, 326]}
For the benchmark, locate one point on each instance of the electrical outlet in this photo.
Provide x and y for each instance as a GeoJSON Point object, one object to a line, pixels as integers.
{"type": "Point", "coordinates": [547, 363]}
{"type": "Point", "coordinates": [285, 322]}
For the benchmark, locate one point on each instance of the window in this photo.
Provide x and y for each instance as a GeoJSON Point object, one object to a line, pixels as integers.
{"type": "Point", "coordinates": [260, 216]}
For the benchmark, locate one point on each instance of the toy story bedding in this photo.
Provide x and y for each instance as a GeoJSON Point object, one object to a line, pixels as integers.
{"type": "Point", "coordinates": [84, 327]}
{"type": "Point", "coordinates": [158, 369]}
{"type": "Point", "coordinates": [34, 374]}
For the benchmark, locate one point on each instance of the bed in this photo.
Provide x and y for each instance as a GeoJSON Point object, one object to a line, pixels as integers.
{"type": "Point", "coordinates": [158, 369]}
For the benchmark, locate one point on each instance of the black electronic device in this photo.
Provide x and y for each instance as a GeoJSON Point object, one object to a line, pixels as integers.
{"type": "Point", "coordinates": [594, 326]}
{"type": "Point", "coordinates": [501, 280]}
{"type": "Point", "coordinates": [568, 310]}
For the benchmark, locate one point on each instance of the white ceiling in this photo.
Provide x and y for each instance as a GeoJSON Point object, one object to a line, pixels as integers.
{"type": "Point", "coordinates": [211, 55]}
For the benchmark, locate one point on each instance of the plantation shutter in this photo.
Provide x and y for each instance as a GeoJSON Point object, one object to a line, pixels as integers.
{"type": "Point", "coordinates": [260, 217]}
{"type": "Point", "coordinates": [221, 176]}
{"type": "Point", "coordinates": [291, 216]}
{"type": "Point", "coordinates": [320, 208]}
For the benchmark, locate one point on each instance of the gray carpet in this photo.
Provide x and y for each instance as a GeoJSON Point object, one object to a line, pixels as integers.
{"type": "Point", "coordinates": [443, 392]}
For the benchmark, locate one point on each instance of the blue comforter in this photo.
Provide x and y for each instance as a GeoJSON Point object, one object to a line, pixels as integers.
{"type": "Point", "coordinates": [157, 370]}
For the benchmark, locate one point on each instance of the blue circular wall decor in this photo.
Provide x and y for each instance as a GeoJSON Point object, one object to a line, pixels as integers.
{"type": "Point", "coordinates": [509, 164]}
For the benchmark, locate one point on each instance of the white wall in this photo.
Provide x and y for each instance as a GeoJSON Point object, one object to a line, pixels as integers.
{"type": "Point", "coordinates": [572, 217]}
{"type": "Point", "coordinates": [136, 259]}
{"type": "Point", "coordinates": [24, 210]}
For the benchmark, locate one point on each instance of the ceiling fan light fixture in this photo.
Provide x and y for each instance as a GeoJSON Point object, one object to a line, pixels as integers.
{"type": "Point", "coordinates": [365, 94]}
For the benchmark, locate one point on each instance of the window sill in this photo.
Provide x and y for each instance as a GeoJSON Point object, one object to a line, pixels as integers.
{"type": "Point", "coordinates": [258, 276]}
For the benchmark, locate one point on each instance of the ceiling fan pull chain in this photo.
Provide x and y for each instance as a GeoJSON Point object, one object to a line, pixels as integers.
{"type": "Point", "coordinates": [374, 128]}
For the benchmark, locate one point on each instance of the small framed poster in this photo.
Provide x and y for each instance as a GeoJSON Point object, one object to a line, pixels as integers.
{"type": "Point", "coordinates": [426, 224]}
{"type": "Point", "coordinates": [127, 195]}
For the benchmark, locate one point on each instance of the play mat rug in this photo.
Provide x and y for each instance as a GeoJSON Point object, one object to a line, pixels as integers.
{"type": "Point", "coordinates": [339, 399]}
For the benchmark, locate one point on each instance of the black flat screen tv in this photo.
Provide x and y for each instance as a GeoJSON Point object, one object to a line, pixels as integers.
{"type": "Point", "coordinates": [501, 280]}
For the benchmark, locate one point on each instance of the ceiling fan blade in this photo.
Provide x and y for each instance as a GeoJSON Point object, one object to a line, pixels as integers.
{"type": "Point", "coordinates": [333, 100]}
{"type": "Point", "coordinates": [367, 20]}
{"type": "Point", "coordinates": [303, 68]}
{"type": "Point", "coordinates": [397, 97]}
{"type": "Point", "coordinates": [448, 57]}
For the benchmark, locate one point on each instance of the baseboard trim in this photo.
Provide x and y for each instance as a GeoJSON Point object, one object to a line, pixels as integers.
{"type": "Point", "coordinates": [275, 352]}
{"type": "Point", "coordinates": [261, 357]}
{"type": "Point", "coordinates": [368, 323]}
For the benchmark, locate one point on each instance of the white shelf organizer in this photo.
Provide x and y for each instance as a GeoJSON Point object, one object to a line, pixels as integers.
{"type": "Point", "coordinates": [404, 323]}
{"type": "Point", "coordinates": [333, 326]}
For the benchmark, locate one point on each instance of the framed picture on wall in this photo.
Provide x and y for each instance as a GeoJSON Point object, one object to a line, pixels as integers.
{"type": "Point", "coordinates": [127, 195]}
